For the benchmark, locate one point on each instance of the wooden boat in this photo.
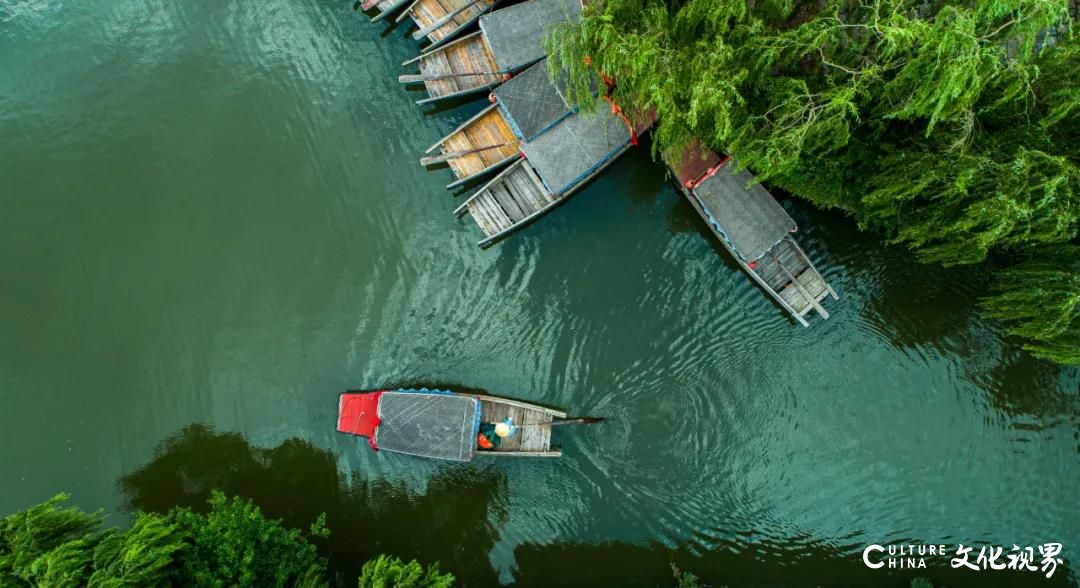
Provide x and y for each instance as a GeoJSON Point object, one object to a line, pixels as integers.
{"type": "Point", "coordinates": [459, 68]}
{"type": "Point", "coordinates": [382, 8]}
{"type": "Point", "coordinates": [445, 425]}
{"type": "Point", "coordinates": [555, 164]}
{"type": "Point", "coordinates": [753, 228]}
{"type": "Point", "coordinates": [441, 20]}
{"type": "Point", "coordinates": [524, 108]}
{"type": "Point", "coordinates": [509, 40]}
{"type": "Point", "coordinates": [479, 146]}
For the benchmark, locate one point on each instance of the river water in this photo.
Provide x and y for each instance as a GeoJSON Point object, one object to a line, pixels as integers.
{"type": "Point", "coordinates": [213, 222]}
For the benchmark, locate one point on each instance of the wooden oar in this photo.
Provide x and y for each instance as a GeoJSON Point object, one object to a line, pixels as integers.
{"type": "Point", "coordinates": [432, 160]}
{"type": "Point", "coordinates": [573, 421]}
{"type": "Point", "coordinates": [441, 21]}
{"type": "Point", "coordinates": [578, 421]}
{"type": "Point", "coordinates": [413, 78]}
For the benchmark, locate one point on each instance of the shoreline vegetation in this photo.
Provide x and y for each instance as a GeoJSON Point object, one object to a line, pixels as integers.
{"type": "Point", "coordinates": [233, 544]}
{"type": "Point", "coordinates": [950, 128]}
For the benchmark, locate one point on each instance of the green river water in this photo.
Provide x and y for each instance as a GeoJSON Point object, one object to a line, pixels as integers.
{"type": "Point", "coordinates": [212, 221]}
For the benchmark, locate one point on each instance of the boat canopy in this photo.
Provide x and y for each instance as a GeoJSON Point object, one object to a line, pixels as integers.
{"type": "Point", "coordinates": [516, 34]}
{"type": "Point", "coordinates": [428, 423]}
{"type": "Point", "coordinates": [531, 102]}
{"type": "Point", "coordinates": [576, 147]}
{"type": "Point", "coordinates": [745, 213]}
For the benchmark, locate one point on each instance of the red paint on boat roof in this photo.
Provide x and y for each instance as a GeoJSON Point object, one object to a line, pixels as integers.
{"type": "Point", "coordinates": [695, 162]}
{"type": "Point", "coordinates": [358, 413]}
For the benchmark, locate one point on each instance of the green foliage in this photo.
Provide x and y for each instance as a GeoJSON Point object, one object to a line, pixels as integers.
{"type": "Point", "coordinates": [952, 127]}
{"type": "Point", "coordinates": [1039, 298]}
{"type": "Point", "coordinates": [47, 542]}
{"type": "Point", "coordinates": [141, 556]}
{"type": "Point", "coordinates": [391, 572]}
{"type": "Point", "coordinates": [235, 545]}
{"type": "Point", "coordinates": [231, 545]}
{"type": "Point", "coordinates": [953, 207]}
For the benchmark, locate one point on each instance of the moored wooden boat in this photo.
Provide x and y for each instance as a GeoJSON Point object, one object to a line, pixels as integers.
{"type": "Point", "coordinates": [482, 144]}
{"type": "Point", "coordinates": [509, 40]}
{"type": "Point", "coordinates": [441, 20]}
{"type": "Point", "coordinates": [753, 227]}
{"type": "Point", "coordinates": [459, 68]}
{"type": "Point", "coordinates": [446, 425]}
{"type": "Point", "coordinates": [555, 164]}
{"type": "Point", "coordinates": [524, 108]}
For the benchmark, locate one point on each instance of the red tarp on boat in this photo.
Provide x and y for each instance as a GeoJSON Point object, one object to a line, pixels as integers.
{"type": "Point", "coordinates": [358, 413]}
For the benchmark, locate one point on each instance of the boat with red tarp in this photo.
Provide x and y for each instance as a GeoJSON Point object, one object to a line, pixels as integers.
{"type": "Point", "coordinates": [450, 425]}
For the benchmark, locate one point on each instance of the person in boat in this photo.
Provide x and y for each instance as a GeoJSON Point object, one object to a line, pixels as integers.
{"type": "Point", "coordinates": [487, 440]}
{"type": "Point", "coordinates": [491, 434]}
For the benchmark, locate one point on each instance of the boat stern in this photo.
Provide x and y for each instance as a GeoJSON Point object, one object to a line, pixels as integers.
{"type": "Point", "coordinates": [358, 413]}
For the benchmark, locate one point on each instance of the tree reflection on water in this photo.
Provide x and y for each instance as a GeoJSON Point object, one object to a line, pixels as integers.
{"type": "Point", "coordinates": [455, 521]}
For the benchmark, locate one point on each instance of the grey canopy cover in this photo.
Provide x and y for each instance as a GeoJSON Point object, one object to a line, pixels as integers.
{"type": "Point", "coordinates": [751, 219]}
{"type": "Point", "coordinates": [531, 102]}
{"type": "Point", "coordinates": [515, 34]}
{"type": "Point", "coordinates": [576, 147]}
{"type": "Point", "coordinates": [436, 425]}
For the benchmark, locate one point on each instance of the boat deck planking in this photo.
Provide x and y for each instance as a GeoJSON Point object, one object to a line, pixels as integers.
{"type": "Point", "coordinates": [444, 68]}
{"type": "Point", "coordinates": [528, 438]}
{"type": "Point", "coordinates": [788, 272]}
{"type": "Point", "coordinates": [511, 199]}
{"type": "Point", "coordinates": [440, 20]}
{"type": "Point", "coordinates": [486, 130]}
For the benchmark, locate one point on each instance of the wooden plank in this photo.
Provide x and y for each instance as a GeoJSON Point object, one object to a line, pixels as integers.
{"type": "Point", "coordinates": [531, 198]}
{"type": "Point", "coordinates": [539, 184]}
{"type": "Point", "coordinates": [535, 423]}
{"type": "Point", "coordinates": [438, 64]}
{"type": "Point", "coordinates": [460, 209]}
{"type": "Point", "coordinates": [513, 442]}
{"type": "Point", "coordinates": [442, 20]}
{"type": "Point", "coordinates": [496, 211]}
{"type": "Point", "coordinates": [493, 413]}
{"type": "Point", "coordinates": [501, 195]}
{"type": "Point", "coordinates": [462, 127]}
{"type": "Point", "coordinates": [429, 50]}
{"type": "Point", "coordinates": [480, 217]}
{"type": "Point", "coordinates": [545, 437]}
{"type": "Point", "coordinates": [489, 169]}
{"type": "Point", "coordinates": [813, 301]}
{"type": "Point", "coordinates": [553, 412]}
{"type": "Point", "coordinates": [810, 264]}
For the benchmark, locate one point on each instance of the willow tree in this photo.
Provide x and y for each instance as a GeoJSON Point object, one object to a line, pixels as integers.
{"type": "Point", "coordinates": [232, 545]}
{"type": "Point", "coordinates": [949, 127]}
{"type": "Point", "coordinates": [1039, 298]}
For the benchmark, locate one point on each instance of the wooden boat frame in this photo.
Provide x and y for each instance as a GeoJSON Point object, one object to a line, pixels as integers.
{"type": "Point", "coordinates": [489, 169]}
{"type": "Point", "coordinates": [814, 300]}
{"type": "Point", "coordinates": [558, 198]}
{"type": "Point", "coordinates": [526, 406]}
{"type": "Point", "coordinates": [460, 93]}
{"type": "Point", "coordinates": [453, 34]}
